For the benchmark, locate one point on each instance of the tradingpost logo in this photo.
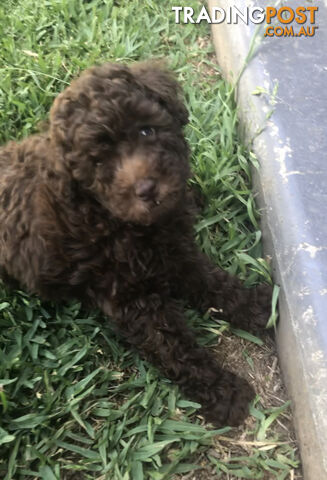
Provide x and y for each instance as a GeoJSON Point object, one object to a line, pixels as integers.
{"type": "Point", "coordinates": [292, 22]}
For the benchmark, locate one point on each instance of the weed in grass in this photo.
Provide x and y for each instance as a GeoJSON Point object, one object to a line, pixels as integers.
{"type": "Point", "coordinates": [74, 403]}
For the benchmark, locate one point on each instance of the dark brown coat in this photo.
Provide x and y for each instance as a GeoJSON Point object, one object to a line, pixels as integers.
{"type": "Point", "coordinates": [97, 208]}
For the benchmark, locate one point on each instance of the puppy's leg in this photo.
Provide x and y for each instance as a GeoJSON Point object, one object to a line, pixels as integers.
{"type": "Point", "coordinates": [204, 285]}
{"type": "Point", "coordinates": [156, 327]}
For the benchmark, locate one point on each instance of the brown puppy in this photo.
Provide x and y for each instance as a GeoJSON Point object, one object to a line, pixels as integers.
{"type": "Point", "coordinates": [96, 208]}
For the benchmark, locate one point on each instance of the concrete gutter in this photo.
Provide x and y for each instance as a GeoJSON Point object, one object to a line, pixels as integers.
{"type": "Point", "coordinates": [292, 186]}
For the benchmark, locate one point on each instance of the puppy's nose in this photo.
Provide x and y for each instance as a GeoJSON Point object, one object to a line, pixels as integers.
{"type": "Point", "coordinates": [145, 188]}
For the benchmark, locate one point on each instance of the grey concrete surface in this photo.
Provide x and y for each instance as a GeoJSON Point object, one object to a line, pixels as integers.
{"type": "Point", "coordinates": [292, 186]}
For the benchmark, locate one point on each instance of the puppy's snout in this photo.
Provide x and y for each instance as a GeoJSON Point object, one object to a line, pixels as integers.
{"type": "Point", "coordinates": [145, 188]}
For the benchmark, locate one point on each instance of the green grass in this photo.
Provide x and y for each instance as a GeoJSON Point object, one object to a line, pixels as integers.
{"type": "Point", "coordinates": [75, 403]}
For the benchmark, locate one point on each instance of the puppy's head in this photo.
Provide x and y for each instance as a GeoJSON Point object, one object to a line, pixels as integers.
{"type": "Point", "coordinates": [119, 133]}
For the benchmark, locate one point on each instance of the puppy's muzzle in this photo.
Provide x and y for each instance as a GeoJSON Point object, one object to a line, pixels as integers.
{"type": "Point", "coordinates": [146, 189]}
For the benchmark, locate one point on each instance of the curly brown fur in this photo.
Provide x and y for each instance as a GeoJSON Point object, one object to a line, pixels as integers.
{"type": "Point", "coordinates": [97, 208]}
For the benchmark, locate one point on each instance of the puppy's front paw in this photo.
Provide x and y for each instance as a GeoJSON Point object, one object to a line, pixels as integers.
{"type": "Point", "coordinates": [253, 312]}
{"type": "Point", "coordinates": [260, 307]}
{"type": "Point", "coordinates": [229, 401]}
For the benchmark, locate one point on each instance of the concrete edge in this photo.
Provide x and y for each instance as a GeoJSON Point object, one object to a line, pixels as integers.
{"type": "Point", "coordinates": [286, 192]}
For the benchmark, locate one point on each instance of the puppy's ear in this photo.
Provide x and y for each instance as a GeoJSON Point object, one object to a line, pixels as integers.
{"type": "Point", "coordinates": [65, 114]}
{"type": "Point", "coordinates": [163, 86]}
{"type": "Point", "coordinates": [67, 119]}
{"type": "Point", "coordinates": [79, 112]}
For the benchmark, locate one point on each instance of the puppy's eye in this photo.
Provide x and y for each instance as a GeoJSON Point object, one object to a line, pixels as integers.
{"type": "Point", "coordinates": [147, 131]}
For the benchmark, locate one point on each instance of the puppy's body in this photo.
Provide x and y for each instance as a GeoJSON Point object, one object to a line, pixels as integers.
{"type": "Point", "coordinates": [97, 208]}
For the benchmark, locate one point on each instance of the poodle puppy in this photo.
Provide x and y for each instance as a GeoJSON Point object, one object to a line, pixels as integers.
{"type": "Point", "coordinates": [97, 208]}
